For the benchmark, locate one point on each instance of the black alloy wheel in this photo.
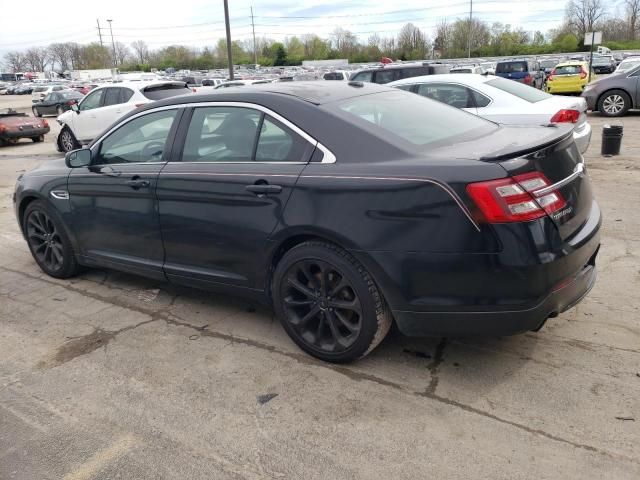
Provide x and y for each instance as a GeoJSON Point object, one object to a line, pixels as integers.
{"type": "Point", "coordinates": [48, 242]}
{"type": "Point", "coordinates": [328, 304]}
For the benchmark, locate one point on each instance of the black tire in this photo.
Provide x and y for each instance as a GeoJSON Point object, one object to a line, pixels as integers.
{"type": "Point", "coordinates": [328, 303]}
{"type": "Point", "coordinates": [36, 112]}
{"type": "Point", "coordinates": [38, 139]}
{"type": "Point", "coordinates": [614, 103]}
{"type": "Point", "coordinates": [59, 110]}
{"type": "Point", "coordinates": [67, 141]}
{"type": "Point", "coordinates": [48, 241]}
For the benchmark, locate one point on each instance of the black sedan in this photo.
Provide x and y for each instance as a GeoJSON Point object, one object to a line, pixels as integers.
{"type": "Point", "coordinates": [56, 103]}
{"type": "Point", "coordinates": [347, 206]}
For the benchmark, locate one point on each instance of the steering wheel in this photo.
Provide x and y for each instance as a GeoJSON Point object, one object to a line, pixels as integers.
{"type": "Point", "coordinates": [153, 150]}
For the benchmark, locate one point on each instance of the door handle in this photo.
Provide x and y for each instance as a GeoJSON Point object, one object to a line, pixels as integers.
{"type": "Point", "coordinates": [137, 182]}
{"type": "Point", "coordinates": [264, 189]}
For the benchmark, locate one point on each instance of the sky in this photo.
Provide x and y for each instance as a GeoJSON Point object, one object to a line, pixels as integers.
{"type": "Point", "coordinates": [201, 22]}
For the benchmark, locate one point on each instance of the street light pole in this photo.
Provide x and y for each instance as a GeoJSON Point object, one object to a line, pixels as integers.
{"type": "Point", "coordinates": [228, 27]}
{"type": "Point", "coordinates": [113, 44]}
{"type": "Point", "coordinates": [470, 25]}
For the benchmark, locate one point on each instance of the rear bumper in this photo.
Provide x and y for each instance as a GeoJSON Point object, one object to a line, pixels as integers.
{"type": "Point", "coordinates": [559, 88]}
{"type": "Point", "coordinates": [442, 324]}
{"type": "Point", "coordinates": [591, 96]}
{"type": "Point", "coordinates": [34, 132]}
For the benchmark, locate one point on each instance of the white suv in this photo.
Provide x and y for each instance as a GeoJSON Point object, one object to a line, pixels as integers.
{"type": "Point", "coordinates": [41, 91]}
{"type": "Point", "coordinates": [106, 104]}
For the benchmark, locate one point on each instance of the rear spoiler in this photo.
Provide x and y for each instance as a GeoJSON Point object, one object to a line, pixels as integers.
{"type": "Point", "coordinates": [559, 133]}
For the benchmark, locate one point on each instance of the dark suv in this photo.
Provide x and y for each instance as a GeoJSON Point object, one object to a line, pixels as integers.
{"type": "Point", "coordinates": [391, 73]}
{"type": "Point", "coordinates": [524, 71]}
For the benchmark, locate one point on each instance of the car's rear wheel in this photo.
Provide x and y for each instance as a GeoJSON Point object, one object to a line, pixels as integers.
{"type": "Point", "coordinates": [67, 141]}
{"type": "Point", "coordinates": [328, 303]}
{"type": "Point", "coordinates": [614, 103]}
{"type": "Point", "coordinates": [38, 139]}
{"type": "Point", "coordinates": [48, 241]}
{"type": "Point", "coordinates": [59, 110]}
{"type": "Point", "coordinates": [36, 112]}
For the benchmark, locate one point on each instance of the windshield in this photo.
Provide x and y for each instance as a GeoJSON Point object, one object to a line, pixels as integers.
{"type": "Point", "coordinates": [511, 67]}
{"type": "Point", "coordinates": [627, 65]}
{"type": "Point", "coordinates": [568, 70]}
{"type": "Point", "coordinates": [412, 118]}
{"type": "Point", "coordinates": [525, 92]}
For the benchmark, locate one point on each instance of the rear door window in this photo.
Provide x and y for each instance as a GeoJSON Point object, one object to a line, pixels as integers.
{"type": "Point", "coordinates": [363, 77]}
{"type": "Point", "coordinates": [111, 97]}
{"type": "Point", "coordinates": [278, 143]}
{"type": "Point", "coordinates": [386, 76]}
{"type": "Point", "coordinates": [455, 95]}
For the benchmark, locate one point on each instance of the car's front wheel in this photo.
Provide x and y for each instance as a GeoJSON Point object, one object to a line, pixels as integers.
{"type": "Point", "coordinates": [48, 241]}
{"type": "Point", "coordinates": [67, 141]}
{"type": "Point", "coordinates": [328, 303]}
{"type": "Point", "coordinates": [615, 103]}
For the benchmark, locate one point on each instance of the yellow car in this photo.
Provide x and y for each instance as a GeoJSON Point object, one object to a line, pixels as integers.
{"type": "Point", "coordinates": [569, 77]}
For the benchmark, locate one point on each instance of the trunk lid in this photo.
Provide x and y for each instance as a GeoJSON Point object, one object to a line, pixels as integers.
{"type": "Point", "coordinates": [550, 151]}
{"type": "Point", "coordinates": [562, 164]}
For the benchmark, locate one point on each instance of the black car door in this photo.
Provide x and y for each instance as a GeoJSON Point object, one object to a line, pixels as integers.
{"type": "Point", "coordinates": [113, 201]}
{"type": "Point", "coordinates": [220, 203]}
{"type": "Point", "coordinates": [48, 105]}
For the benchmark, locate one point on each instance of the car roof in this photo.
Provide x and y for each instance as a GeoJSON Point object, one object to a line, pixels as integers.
{"type": "Point", "coordinates": [315, 92]}
{"type": "Point", "coordinates": [470, 78]}
{"type": "Point", "coordinates": [137, 85]}
{"type": "Point", "coordinates": [571, 63]}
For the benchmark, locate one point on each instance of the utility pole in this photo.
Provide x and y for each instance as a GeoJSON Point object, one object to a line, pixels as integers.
{"type": "Point", "coordinates": [99, 32]}
{"type": "Point", "coordinates": [470, 25]}
{"type": "Point", "coordinates": [253, 28]}
{"type": "Point", "coordinates": [113, 44]}
{"type": "Point", "coordinates": [228, 27]}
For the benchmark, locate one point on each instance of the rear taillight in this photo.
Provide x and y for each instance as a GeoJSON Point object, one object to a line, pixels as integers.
{"type": "Point", "coordinates": [550, 77]}
{"type": "Point", "coordinates": [583, 73]}
{"type": "Point", "coordinates": [3, 128]}
{"type": "Point", "coordinates": [527, 79]}
{"type": "Point", "coordinates": [566, 116]}
{"type": "Point", "coordinates": [45, 123]}
{"type": "Point", "coordinates": [71, 102]}
{"type": "Point", "coordinates": [513, 199]}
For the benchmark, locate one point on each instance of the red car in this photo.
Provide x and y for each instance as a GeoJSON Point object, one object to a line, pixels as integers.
{"type": "Point", "coordinates": [14, 126]}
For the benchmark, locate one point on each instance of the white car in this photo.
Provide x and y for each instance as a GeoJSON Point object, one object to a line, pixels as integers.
{"type": "Point", "coordinates": [38, 93]}
{"type": "Point", "coordinates": [336, 75]}
{"type": "Point", "coordinates": [107, 103]}
{"type": "Point", "coordinates": [627, 64]}
{"type": "Point", "coordinates": [503, 101]}
{"type": "Point", "coordinates": [467, 69]}
{"type": "Point", "coordinates": [241, 83]}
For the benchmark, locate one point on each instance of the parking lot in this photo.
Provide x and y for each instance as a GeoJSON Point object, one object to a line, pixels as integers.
{"type": "Point", "coordinates": [114, 376]}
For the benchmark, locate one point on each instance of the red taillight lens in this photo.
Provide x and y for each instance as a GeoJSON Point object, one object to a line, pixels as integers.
{"type": "Point", "coordinates": [566, 116]}
{"type": "Point", "coordinates": [45, 123]}
{"type": "Point", "coordinates": [3, 128]}
{"type": "Point", "coordinates": [527, 79]}
{"type": "Point", "coordinates": [512, 199]}
{"type": "Point", "coordinates": [550, 77]}
{"type": "Point", "coordinates": [583, 73]}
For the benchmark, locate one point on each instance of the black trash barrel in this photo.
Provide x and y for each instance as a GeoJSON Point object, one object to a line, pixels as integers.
{"type": "Point", "coordinates": [611, 140]}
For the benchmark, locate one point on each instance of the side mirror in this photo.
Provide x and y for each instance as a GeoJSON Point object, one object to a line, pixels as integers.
{"type": "Point", "coordinates": [74, 107]}
{"type": "Point", "coordinates": [78, 158]}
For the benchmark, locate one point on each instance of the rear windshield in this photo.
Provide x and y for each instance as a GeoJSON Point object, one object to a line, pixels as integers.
{"type": "Point", "coordinates": [414, 119]}
{"type": "Point", "coordinates": [40, 89]}
{"type": "Point", "coordinates": [71, 95]}
{"type": "Point", "coordinates": [525, 92]}
{"type": "Point", "coordinates": [568, 70]}
{"type": "Point", "coordinates": [548, 63]}
{"type": "Point", "coordinates": [511, 67]}
{"type": "Point", "coordinates": [158, 92]}
{"type": "Point", "coordinates": [461, 70]}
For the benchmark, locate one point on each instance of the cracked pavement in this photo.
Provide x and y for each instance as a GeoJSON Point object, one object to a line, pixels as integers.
{"type": "Point", "coordinates": [112, 376]}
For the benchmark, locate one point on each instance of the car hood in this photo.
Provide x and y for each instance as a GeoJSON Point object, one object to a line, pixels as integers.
{"type": "Point", "coordinates": [66, 116]}
{"type": "Point", "coordinates": [505, 142]}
